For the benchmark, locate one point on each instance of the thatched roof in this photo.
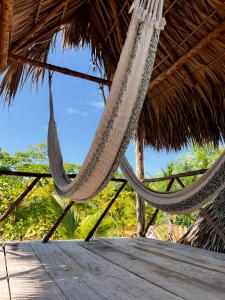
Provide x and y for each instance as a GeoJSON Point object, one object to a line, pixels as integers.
{"type": "Point", "coordinates": [209, 232]}
{"type": "Point", "coordinates": [185, 101]}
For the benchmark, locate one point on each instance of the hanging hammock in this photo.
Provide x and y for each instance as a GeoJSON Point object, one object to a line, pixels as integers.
{"type": "Point", "coordinates": [191, 198]}
{"type": "Point", "coordinates": [122, 110]}
{"type": "Point", "coordinates": [119, 120]}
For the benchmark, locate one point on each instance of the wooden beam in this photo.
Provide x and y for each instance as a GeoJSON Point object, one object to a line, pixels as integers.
{"type": "Point", "coordinates": [194, 50]}
{"type": "Point", "coordinates": [5, 30]}
{"type": "Point", "coordinates": [38, 64]}
{"type": "Point", "coordinates": [52, 13]}
{"type": "Point", "coordinates": [18, 200]}
{"type": "Point", "coordinates": [117, 22]}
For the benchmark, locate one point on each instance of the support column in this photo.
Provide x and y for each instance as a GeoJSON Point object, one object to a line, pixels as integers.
{"type": "Point", "coordinates": [140, 204]}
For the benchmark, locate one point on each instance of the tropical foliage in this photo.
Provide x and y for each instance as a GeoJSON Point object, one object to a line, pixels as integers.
{"type": "Point", "coordinates": [36, 214]}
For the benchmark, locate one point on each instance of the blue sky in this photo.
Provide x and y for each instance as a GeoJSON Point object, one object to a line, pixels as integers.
{"type": "Point", "coordinates": [78, 108]}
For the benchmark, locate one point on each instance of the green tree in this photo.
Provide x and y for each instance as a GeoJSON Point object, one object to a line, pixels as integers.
{"type": "Point", "coordinates": [39, 210]}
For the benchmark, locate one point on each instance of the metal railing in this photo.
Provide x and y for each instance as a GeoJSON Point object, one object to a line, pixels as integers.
{"type": "Point", "coordinates": [38, 176]}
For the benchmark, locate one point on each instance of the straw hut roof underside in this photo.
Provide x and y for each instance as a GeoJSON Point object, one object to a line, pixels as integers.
{"type": "Point", "coordinates": [185, 101]}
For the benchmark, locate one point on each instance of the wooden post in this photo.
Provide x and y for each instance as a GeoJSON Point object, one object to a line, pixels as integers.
{"type": "Point", "coordinates": [140, 204]}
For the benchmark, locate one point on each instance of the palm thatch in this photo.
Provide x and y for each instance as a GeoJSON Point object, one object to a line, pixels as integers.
{"type": "Point", "coordinates": [206, 234]}
{"type": "Point", "coordinates": [185, 102]}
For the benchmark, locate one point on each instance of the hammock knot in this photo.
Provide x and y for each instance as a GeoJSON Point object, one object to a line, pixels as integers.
{"type": "Point", "coordinates": [149, 11]}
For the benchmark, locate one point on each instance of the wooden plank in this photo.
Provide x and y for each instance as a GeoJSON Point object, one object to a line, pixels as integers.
{"type": "Point", "coordinates": [180, 278]}
{"type": "Point", "coordinates": [208, 260]}
{"type": "Point", "coordinates": [205, 255]}
{"type": "Point", "coordinates": [27, 278]}
{"type": "Point", "coordinates": [4, 289]}
{"type": "Point", "coordinates": [190, 255]}
{"type": "Point", "coordinates": [81, 274]}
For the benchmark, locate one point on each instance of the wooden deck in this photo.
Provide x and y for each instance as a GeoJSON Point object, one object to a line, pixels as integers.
{"type": "Point", "coordinates": [110, 269]}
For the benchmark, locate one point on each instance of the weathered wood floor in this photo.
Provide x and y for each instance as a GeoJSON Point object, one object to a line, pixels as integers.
{"type": "Point", "coordinates": [110, 269]}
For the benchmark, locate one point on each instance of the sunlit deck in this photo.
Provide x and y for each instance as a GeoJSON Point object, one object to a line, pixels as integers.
{"type": "Point", "coordinates": [110, 269]}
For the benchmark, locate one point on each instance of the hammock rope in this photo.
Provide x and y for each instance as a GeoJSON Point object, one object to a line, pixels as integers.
{"type": "Point", "coordinates": [122, 110]}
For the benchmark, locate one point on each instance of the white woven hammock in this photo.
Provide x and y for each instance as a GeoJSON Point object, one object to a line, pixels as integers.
{"type": "Point", "coordinates": [191, 198]}
{"type": "Point", "coordinates": [119, 120]}
{"type": "Point", "coordinates": [122, 110]}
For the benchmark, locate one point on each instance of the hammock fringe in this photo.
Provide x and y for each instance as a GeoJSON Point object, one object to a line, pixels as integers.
{"type": "Point", "coordinates": [149, 11]}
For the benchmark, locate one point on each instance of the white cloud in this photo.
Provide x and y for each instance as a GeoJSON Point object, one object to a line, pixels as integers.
{"type": "Point", "coordinates": [73, 111]}
{"type": "Point", "coordinates": [97, 104]}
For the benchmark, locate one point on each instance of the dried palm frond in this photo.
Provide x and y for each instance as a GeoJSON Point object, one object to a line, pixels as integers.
{"type": "Point", "coordinates": [201, 234]}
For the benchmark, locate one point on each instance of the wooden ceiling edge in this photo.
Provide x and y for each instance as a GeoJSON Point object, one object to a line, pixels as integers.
{"type": "Point", "coordinates": [5, 30]}
{"type": "Point", "coordinates": [184, 59]}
